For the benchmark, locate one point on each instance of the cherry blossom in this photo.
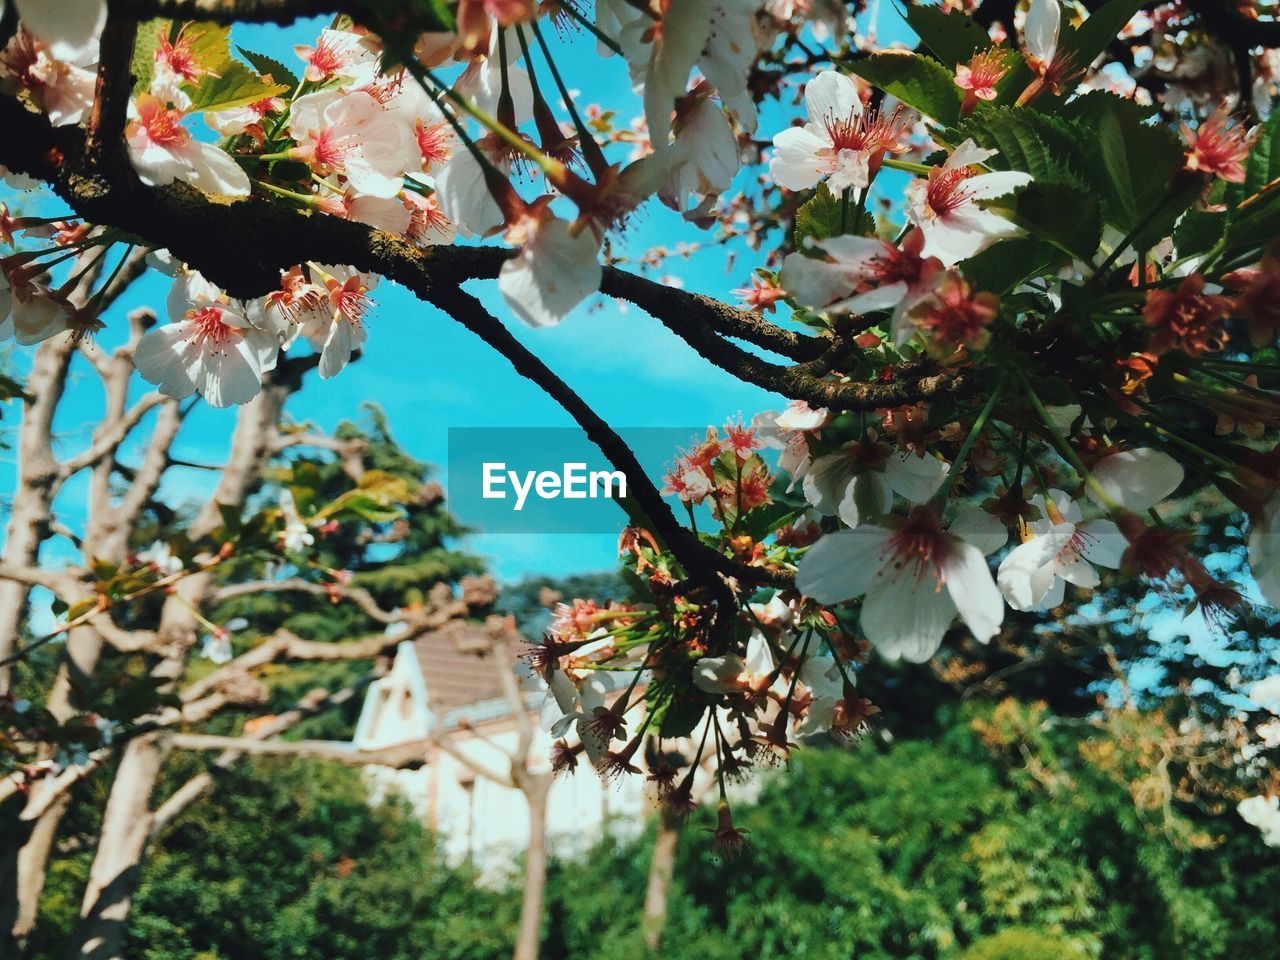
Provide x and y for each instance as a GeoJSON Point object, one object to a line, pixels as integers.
{"type": "Point", "coordinates": [1135, 479]}
{"type": "Point", "coordinates": [1059, 549]}
{"type": "Point", "coordinates": [733, 674]}
{"type": "Point", "coordinates": [338, 329]}
{"type": "Point", "coordinates": [944, 206]}
{"type": "Point", "coordinates": [338, 54]}
{"type": "Point", "coordinates": [464, 195]}
{"type": "Point", "coordinates": [28, 312]}
{"type": "Point", "coordinates": [862, 274]}
{"type": "Point", "coordinates": [162, 150]}
{"type": "Point", "coordinates": [351, 134]}
{"type": "Point", "coordinates": [62, 89]}
{"type": "Point", "coordinates": [979, 77]}
{"type": "Point", "coordinates": [1264, 551]}
{"type": "Point", "coordinates": [858, 481]}
{"type": "Point", "coordinates": [660, 51]}
{"type": "Point", "coordinates": [209, 346]}
{"type": "Point", "coordinates": [554, 271]}
{"type": "Point", "coordinates": [704, 157]}
{"type": "Point", "coordinates": [914, 577]}
{"type": "Point", "coordinates": [1218, 147]}
{"type": "Point", "coordinates": [69, 28]}
{"type": "Point", "coordinates": [842, 143]}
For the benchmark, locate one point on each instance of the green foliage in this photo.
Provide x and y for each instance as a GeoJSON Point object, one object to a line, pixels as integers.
{"type": "Point", "coordinates": [1048, 148]}
{"type": "Point", "coordinates": [1062, 214]}
{"type": "Point", "coordinates": [234, 86]}
{"type": "Point", "coordinates": [269, 67]}
{"type": "Point", "coordinates": [917, 81]}
{"type": "Point", "coordinates": [1004, 265]}
{"type": "Point", "coordinates": [1135, 161]}
{"type": "Point", "coordinates": [951, 35]}
{"type": "Point", "coordinates": [1258, 198]}
{"type": "Point", "coordinates": [1019, 944]}
{"type": "Point", "coordinates": [824, 215]}
{"type": "Point", "coordinates": [287, 860]}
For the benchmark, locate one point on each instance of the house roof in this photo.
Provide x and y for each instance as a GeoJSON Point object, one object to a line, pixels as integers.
{"type": "Point", "coordinates": [458, 665]}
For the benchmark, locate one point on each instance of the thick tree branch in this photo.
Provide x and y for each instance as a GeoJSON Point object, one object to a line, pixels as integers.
{"type": "Point", "coordinates": [403, 756]}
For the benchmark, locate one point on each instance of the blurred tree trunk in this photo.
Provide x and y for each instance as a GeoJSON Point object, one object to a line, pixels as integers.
{"type": "Point", "coordinates": [536, 788]}
{"type": "Point", "coordinates": [661, 869]}
{"type": "Point", "coordinates": [126, 824]}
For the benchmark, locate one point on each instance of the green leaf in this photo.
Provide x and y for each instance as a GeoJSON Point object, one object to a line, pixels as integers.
{"type": "Point", "coordinates": [1093, 36]}
{"type": "Point", "coordinates": [1253, 206]}
{"type": "Point", "coordinates": [1198, 231]}
{"type": "Point", "coordinates": [820, 218]}
{"type": "Point", "coordinates": [143, 63]}
{"type": "Point", "coordinates": [1001, 267]}
{"type": "Point", "coordinates": [1064, 215]}
{"type": "Point", "coordinates": [1136, 159]}
{"type": "Point", "coordinates": [917, 81]}
{"type": "Point", "coordinates": [953, 37]}
{"type": "Point", "coordinates": [268, 67]}
{"type": "Point", "coordinates": [235, 86]}
{"type": "Point", "coordinates": [1046, 147]}
{"type": "Point", "coordinates": [210, 45]}
{"type": "Point", "coordinates": [1257, 221]}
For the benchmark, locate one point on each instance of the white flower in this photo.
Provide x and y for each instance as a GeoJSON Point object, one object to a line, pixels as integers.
{"type": "Point", "coordinates": [339, 54]}
{"type": "Point", "coordinates": [945, 205]}
{"type": "Point", "coordinates": [427, 136]}
{"type": "Point", "coordinates": [1264, 551]}
{"type": "Point", "coordinates": [788, 431]}
{"type": "Point", "coordinates": [731, 49]}
{"type": "Point", "coordinates": [841, 143]}
{"type": "Point", "coordinates": [703, 160]}
{"type": "Point", "coordinates": [569, 705]}
{"type": "Point", "coordinates": [70, 28]}
{"type": "Point", "coordinates": [915, 577]}
{"type": "Point", "coordinates": [552, 273]}
{"type": "Point", "coordinates": [1266, 693]}
{"type": "Point", "coordinates": [351, 134]}
{"type": "Point", "coordinates": [1055, 551]}
{"type": "Point", "coordinates": [162, 150]}
{"type": "Point", "coordinates": [1040, 32]}
{"type": "Point", "coordinates": [660, 55]}
{"type": "Point", "coordinates": [898, 277]}
{"type": "Point", "coordinates": [295, 537]}
{"type": "Point", "coordinates": [734, 674]}
{"type": "Point", "coordinates": [383, 213]}
{"type": "Point", "coordinates": [858, 481]}
{"type": "Point", "coordinates": [339, 331]}
{"type": "Point", "coordinates": [1136, 479]}
{"type": "Point", "coordinates": [159, 556]}
{"type": "Point", "coordinates": [63, 90]}
{"type": "Point", "coordinates": [217, 646]}
{"type": "Point", "coordinates": [29, 314]}
{"type": "Point", "coordinates": [1263, 813]}
{"type": "Point", "coordinates": [464, 195]}
{"type": "Point", "coordinates": [821, 676]}
{"type": "Point", "coordinates": [210, 346]}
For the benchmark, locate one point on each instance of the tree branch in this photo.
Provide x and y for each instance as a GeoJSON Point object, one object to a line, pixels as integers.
{"type": "Point", "coordinates": [360, 597]}
{"type": "Point", "coordinates": [403, 756]}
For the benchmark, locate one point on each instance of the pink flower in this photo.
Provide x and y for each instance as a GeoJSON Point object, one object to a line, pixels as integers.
{"type": "Point", "coordinates": [762, 296]}
{"type": "Point", "coordinates": [979, 77]}
{"type": "Point", "coordinates": [1218, 146]}
{"type": "Point", "coordinates": [162, 150]}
